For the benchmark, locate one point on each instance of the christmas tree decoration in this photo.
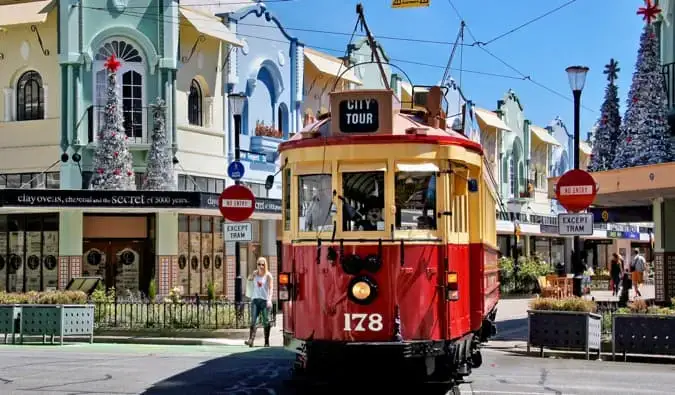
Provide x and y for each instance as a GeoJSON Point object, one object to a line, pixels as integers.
{"type": "Point", "coordinates": [607, 132]}
{"type": "Point", "coordinates": [645, 133]}
{"type": "Point", "coordinates": [112, 161]}
{"type": "Point", "coordinates": [160, 174]}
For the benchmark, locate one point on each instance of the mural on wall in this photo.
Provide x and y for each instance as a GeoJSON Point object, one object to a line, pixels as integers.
{"type": "Point", "coordinates": [562, 156]}
{"type": "Point", "coordinates": [514, 144]}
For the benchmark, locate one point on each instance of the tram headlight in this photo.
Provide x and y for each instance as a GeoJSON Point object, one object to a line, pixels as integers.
{"type": "Point", "coordinates": [362, 290]}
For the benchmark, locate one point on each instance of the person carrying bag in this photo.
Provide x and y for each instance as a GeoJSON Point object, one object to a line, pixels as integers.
{"type": "Point", "coordinates": [261, 300]}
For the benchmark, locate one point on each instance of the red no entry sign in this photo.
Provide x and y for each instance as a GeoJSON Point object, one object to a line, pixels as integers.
{"type": "Point", "coordinates": [576, 190]}
{"type": "Point", "coordinates": [236, 203]}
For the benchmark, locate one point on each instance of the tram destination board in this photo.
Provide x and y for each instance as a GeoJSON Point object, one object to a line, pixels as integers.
{"type": "Point", "coordinates": [577, 224]}
{"type": "Point", "coordinates": [359, 116]}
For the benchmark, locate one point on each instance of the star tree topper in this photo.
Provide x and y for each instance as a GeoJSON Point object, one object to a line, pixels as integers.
{"type": "Point", "coordinates": [112, 63]}
{"type": "Point", "coordinates": [649, 11]}
{"type": "Point", "coordinates": [612, 70]}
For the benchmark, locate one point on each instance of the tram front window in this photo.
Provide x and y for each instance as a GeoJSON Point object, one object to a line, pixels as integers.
{"type": "Point", "coordinates": [363, 201]}
{"type": "Point", "coordinates": [314, 199]}
{"type": "Point", "coordinates": [415, 200]}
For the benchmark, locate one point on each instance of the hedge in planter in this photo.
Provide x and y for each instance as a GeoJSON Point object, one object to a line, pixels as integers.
{"type": "Point", "coordinates": [53, 314]}
{"type": "Point", "coordinates": [570, 323]}
{"type": "Point", "coordinates": [642, 329]}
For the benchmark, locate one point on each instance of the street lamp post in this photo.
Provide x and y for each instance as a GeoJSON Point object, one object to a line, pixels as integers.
{"type": "Point", "coordinates": [577, 79]}
{"type": "Point", "coordinates": [237, 101]}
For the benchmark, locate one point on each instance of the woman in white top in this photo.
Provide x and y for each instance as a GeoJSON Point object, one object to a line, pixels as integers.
{"type": "Point", "coordinates": [261, 300]}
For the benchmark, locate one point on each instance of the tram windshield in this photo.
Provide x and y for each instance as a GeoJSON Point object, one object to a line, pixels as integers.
{"type": "Point", "coordinates": [363, 201]}
{"type": "Point", "coordinates": [415, 193]}
{"type": "Point", "coordinates": [314, 199]}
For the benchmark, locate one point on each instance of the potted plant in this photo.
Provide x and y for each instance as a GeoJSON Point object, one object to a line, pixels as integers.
{"type": "Point", "coordinates": [569, 323]}
{"type": "Point", "coordinates": [643, 329]}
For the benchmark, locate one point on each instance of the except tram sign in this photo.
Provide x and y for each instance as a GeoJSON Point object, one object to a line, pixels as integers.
{"type": "Point", "coordinates": [236, 203]}
{"type": "Point", "coordinates": [576, 190]}
{"type": "Point", "coordinates": [359, 116]}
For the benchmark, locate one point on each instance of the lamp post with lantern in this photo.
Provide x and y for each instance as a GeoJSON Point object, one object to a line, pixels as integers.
{"type": "Point", "coordinates": [577, 80]}
{"type": "Point", "coordinates": [237, 101]}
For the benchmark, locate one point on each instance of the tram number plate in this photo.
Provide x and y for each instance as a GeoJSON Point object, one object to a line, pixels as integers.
{"type": "Point", "coordinates": [359, 322]}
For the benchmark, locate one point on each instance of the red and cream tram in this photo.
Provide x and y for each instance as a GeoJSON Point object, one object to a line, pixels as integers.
{"type": "Point", "coordinates": [389, 256]}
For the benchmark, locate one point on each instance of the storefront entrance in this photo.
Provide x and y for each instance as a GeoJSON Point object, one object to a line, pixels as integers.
{"type": "Point", "coordinates": [117, 262]}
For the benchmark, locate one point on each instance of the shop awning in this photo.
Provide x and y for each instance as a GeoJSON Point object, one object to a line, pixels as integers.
{"type": "Point", "coordinates": [491, 119]}
{"type": "Point", "coordinates": [543, 135]}
{"type": "Point", "coordinates": [24, 13]}
{"type": "Point", "coordinates": [585, 148]}
{"type": "Point", "coordinates": [332, 66]}
{"type": "Point", "coordinates": [210, 26]}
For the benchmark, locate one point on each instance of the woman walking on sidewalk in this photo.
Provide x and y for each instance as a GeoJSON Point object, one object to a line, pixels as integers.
{"type": "Point", "coordinates": [615, 271]}
{"type": "Point", "coordinates": [261, 300]}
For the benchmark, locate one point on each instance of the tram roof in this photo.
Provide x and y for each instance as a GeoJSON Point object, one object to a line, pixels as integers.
{"type": "Point", "coordinates": [408, 127]}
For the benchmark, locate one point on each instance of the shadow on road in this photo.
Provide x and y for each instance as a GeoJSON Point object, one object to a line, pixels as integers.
{"type": "Point", "coordinates": [512, 330]}
{"type": "Point", "coordinates": [261, 371]}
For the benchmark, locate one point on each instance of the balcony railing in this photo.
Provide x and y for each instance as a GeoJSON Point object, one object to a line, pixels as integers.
{"type": "Point", "coordinates": [668, 71]}
{"type": "Point", "coordinates": [137, 125]}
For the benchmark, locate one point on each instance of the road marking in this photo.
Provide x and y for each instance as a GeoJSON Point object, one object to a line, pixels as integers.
{"type": "Point", "coordinates": [465, 389]}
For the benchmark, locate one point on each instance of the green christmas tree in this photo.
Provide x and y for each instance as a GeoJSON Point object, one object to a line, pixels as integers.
{"type": "Point", "coordinates": [160, 174]}
{"type": "Point", "coordinates": [113, 164]}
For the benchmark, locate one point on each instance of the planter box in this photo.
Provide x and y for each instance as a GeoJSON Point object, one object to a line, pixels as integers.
{"type": "Point", "coordinates": [57, 321]}
{"type": "Point", "coordinates": [643, 334]}
{"type": "Point", "coordinates": [10, 321]}
{"type": "Point", "coordinates": [564, 329]}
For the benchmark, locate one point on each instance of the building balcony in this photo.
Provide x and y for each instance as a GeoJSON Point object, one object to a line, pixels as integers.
{"type": "Point", "coordinates": [266, 139]}
{"type": "Point", "coordinates": [137, 125]}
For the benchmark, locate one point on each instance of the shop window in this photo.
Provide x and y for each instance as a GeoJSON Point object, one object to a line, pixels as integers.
{"type": "Point", "coordinates": [363, 201]}
{"type": "Point", "coordinates": [287, 199]}
{"type": "Point", "coordinates": [314, 202]}
{"type": "Point", "coordinates": [28, 252]}
{"type": "Point", "coordinates": [200, 254]}
{"type": "Point", "coordinates": [415, 197]}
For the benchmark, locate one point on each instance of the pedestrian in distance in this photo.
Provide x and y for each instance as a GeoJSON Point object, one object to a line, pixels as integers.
{"type": "Point", "coordinates": [261, 300]}
{"type": "Point", "coordinates": [637, 268]}
{"type": "Point", "coordinates": [615, 270]}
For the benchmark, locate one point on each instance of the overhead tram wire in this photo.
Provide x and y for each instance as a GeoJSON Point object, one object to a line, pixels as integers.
{"type": "Point", "coordinates": [475, 43]}
{"type": "Point", "coordinates": [525, 77]}
{"type": "Point", "coordinates": [172, 20]}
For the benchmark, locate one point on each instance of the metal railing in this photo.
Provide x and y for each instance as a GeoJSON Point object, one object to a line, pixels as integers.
{"type": "Point", "coordinates": [197, 314]}
{"type": "Point", "coordinates": [137, 125]}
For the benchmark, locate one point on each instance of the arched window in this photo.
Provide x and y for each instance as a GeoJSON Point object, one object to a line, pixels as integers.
{"type": "Point", "coordinates": [195, 104]}
{"type": "Point", "coordinates": [30, 102]}
{"type": "Point", "coordinates": [130, 78]}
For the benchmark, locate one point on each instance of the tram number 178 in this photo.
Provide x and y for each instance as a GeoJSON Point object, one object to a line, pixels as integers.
{"type": "Point", "coordinates": [358, 322]}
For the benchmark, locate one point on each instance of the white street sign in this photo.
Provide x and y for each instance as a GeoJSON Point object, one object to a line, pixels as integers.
{"type": "Point", "coordinates": [237, 231]}
{"type": "Point", "coordinates": [580, 224]}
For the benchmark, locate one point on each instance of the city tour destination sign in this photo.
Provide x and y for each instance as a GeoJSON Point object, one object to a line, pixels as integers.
{"type": "Point", "coordinates": [359, 116]}
{"type": "Point", "coordinates": [576, 191]}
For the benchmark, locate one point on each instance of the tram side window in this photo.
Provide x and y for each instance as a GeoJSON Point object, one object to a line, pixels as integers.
{"type": "Point", "coordinates": [314, 200]}
{"type": "Point", "coordinates": [415, 200]}
{"type": "Point", "coordinates": [363, 201]}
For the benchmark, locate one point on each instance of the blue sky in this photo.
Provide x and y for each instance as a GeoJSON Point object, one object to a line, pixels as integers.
{"type": "Point", "coordinates": [586, 32]}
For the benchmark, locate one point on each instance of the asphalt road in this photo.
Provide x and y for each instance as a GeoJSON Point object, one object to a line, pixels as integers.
{"type": "Point", "coordinates": [144, 369]}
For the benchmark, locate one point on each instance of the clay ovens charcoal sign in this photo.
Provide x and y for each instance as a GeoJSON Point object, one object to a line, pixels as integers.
{"type": "Point", "coordinates": [359, 116]}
